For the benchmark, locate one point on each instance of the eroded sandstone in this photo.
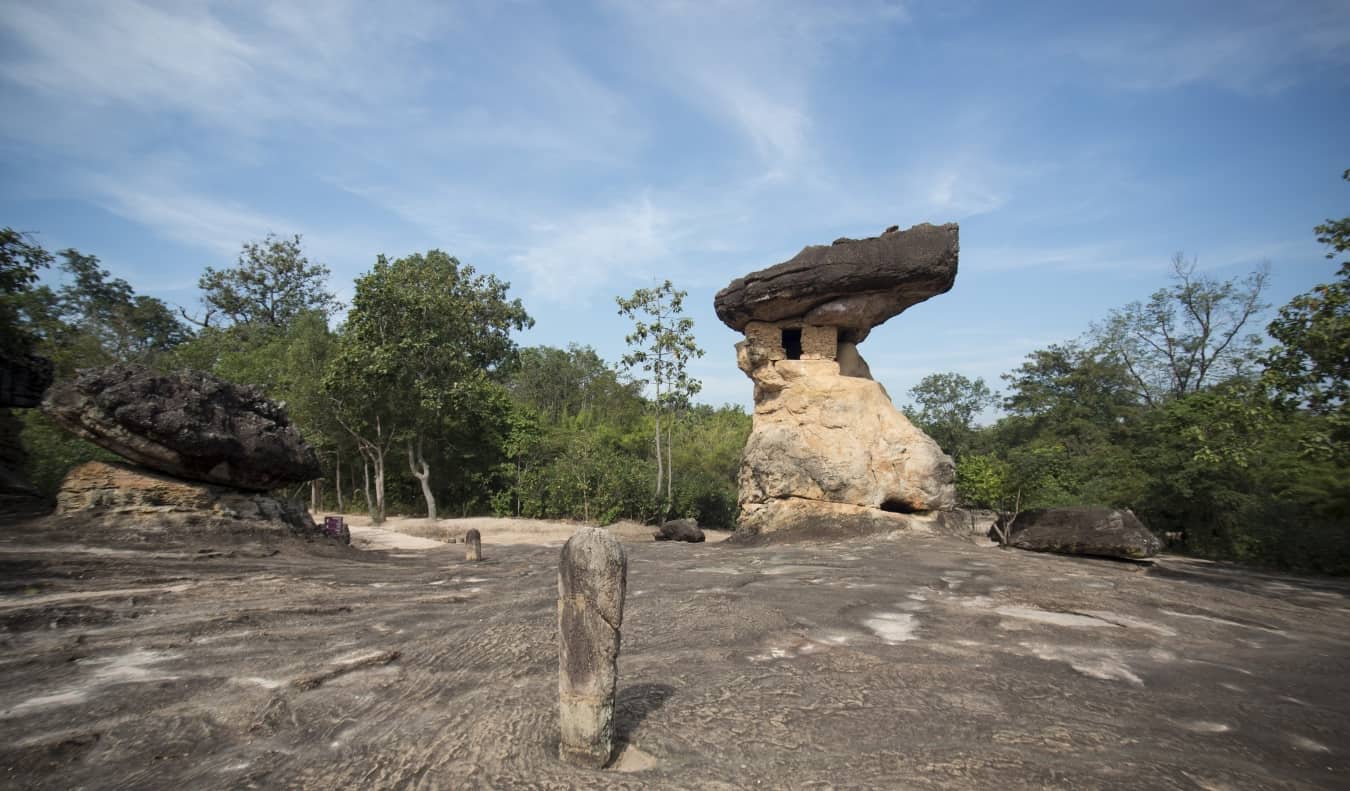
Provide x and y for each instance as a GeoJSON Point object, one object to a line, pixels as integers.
{"type": "Point", "coordinates": [827, 445]}
{"type": "Point", "coordinates": [125, 502]}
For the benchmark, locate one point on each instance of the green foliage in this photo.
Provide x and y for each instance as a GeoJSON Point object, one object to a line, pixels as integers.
{"type": "Point", "coordinates": [52, 451]}
{"type": "Point", "coordinates": [1311, 365]}
{"type": "Point", "coordinates": [945, 406]}
{"type": "Point", "coordinates": [1188, 336]}
{"type": "Point", "coordinates": [21, 261]}
{"type": "Point", "coordinates": [983, 480]}
{"type": "Point", "coordinates": [426, 342]}
{"type": "Point", "coordinates": [662, 344]}
{"type": "Point", "coordinates": [1335, 233]}
{"type": "Point", "coordinates": [272, 283]}
{"type": "Point", "coordinates": [579, 440]}
{"type": "Point", "coordinates": [88, 318]}
{"type": "Point", "coordinates": [95, 319]}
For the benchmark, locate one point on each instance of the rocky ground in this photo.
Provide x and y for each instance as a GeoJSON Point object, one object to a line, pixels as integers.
{"type": "Point", "coordinates": [921, 662]}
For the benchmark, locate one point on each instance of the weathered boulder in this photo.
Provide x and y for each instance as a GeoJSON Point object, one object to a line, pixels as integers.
{"type": "Point", "coordinates": [821, 438]}
{"type": "Point", "coordinates": [187, 424]}
{"type": "Point", "coordinates": [1084, 530]}
{"type": "Point", "coordinates": [147, 506]}
{"type": "Point", "coordinates": [853, 284]}
{"type": "Point", "coordinates": [680, 530]}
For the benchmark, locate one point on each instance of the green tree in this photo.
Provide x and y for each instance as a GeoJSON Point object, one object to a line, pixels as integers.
{"type": "Point", "coordinates": [93, 319]}
{"type": "Point", "coordinates": [271, 284]}
{"type": "Point", "coordinates": [1193, 334]}
{"type": "Point", "coordinates": [1065, 438]}
{"type": "Point", "coordinates": [426, 337]}
{"type": "Point", "coordinates": [1310, 367]}
{"type": "Point", "coordinates": [1335, 233]}
{"type": "Point", "coordinates": [945, 406]}
{"type": "Point", "coordinates": [662, 343]}
{"type": "Point", "coordinates": [21, 261]}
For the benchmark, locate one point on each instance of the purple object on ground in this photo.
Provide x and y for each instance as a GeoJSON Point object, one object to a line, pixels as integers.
{"type": "Point", "coordinates": [336, 527]}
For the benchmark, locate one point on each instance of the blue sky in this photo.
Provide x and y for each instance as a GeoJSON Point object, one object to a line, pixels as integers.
{"type": "Point", "coordinates": [582, 150]}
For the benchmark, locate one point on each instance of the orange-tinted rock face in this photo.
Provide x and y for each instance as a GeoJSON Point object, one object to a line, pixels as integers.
{"type": "Point", "coordinates": [827, 444]}
{"type": "Point", "coordinates": [146, 503]}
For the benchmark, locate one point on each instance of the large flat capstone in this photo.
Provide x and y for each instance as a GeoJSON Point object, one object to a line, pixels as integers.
{"type": "Point", "coordinates": [187, 424]}
{"type": "Point", "coordinates": [854, 283]}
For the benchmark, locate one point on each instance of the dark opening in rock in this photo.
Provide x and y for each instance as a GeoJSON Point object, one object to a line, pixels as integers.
{"type": "Point", "coordinates": [898, 507]}
{"type": "Point", "coordinates": [792, 343]}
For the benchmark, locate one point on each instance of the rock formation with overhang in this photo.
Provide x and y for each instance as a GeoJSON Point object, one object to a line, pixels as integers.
{"type": "Point", "coordinates": [829, 454]}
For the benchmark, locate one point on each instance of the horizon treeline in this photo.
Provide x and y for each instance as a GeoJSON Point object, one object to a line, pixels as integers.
{"type": "Point", "coordinates": [418, 402]}
{"type": "Point", "coordinates": [1180, 407]}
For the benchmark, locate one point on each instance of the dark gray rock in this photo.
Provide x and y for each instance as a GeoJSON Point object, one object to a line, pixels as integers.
{"type": "Point", "coordinates": [187, 424]}
{"type": "Point", "coordinates": [679, 530]}
{"type": "Point", "coordinates": [854, 283]}
{"type": "Point", "coordinates": [1084, 530]}
{"type": "Point", "coordinates": [473, 545]}
{"type": "Point", "coordinates": [23, 379]}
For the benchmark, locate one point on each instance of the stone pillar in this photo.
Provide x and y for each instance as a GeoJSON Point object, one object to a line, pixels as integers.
{"type": "Point", "coordinates": [592, 579]}
{"type": "Point", "coordinates": [473, 545]}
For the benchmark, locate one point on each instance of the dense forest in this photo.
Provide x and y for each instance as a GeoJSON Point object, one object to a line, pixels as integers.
{"type": "Point", "coordinates": [1234, 441]}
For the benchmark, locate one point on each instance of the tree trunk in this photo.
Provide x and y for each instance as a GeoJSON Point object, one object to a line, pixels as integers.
{"type": "Point", "coordinates": [659, 470]}
{"type": "Point", "coordinates": [422, 472]}
{"type": "Point", "coordinates": [337, 476]}
{"type": "Point", "coordinates": [670, 459]}
{"type": "Point", "coordinates": [365, 472]}
{"type": "Point", "coordinates": [315, 495]}
{"type": "Point", "coordinates": [377, 460]}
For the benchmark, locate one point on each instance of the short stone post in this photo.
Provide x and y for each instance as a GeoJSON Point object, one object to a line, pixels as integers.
{"type": "Point", "coordinates": [592, 579]}
{"type": "Point", "coordinates": [473, 543]}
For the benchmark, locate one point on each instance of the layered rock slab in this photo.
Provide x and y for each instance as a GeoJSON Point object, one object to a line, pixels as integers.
{"type": "Point", "coordinates": [142, 505]}
{"type": "Point", "coordinates": [853, 284]}
{"type": "Point", "coordinates": [186, 424]}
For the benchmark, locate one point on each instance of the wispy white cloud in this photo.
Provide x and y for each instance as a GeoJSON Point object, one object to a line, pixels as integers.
{"type": "Point", "coordinates": [568, 257]}
{"type": "Point", "coordinates": [157, 199]}
{"type": "Point", "coordinates": [750, 64]}
{"type": "Point", "coordinates": [1253, 48]}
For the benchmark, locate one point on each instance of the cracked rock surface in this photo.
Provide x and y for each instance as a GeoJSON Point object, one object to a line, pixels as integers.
{"type": "Point", "coordinates": [926, 663]}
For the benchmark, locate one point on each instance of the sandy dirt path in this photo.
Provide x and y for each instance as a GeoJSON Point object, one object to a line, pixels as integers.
{"type": "Point", "coordinates": [411, 533]}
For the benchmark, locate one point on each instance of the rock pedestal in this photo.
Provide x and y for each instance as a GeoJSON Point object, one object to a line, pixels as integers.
{"type": "Point", "coordinates": [473, 545]}
{"type": "Point", "coordinates": [592, 581]}
{"type": "Point", "coordinates": [145, 505]}
{"type": "Point", "coordinates": [828, 453]}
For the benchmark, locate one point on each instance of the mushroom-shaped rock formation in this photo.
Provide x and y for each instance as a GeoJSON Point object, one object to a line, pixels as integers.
{"type": "Point", "coordinates": [187, 424]}
{"type": "Point", "coordinates": [828, 452]}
